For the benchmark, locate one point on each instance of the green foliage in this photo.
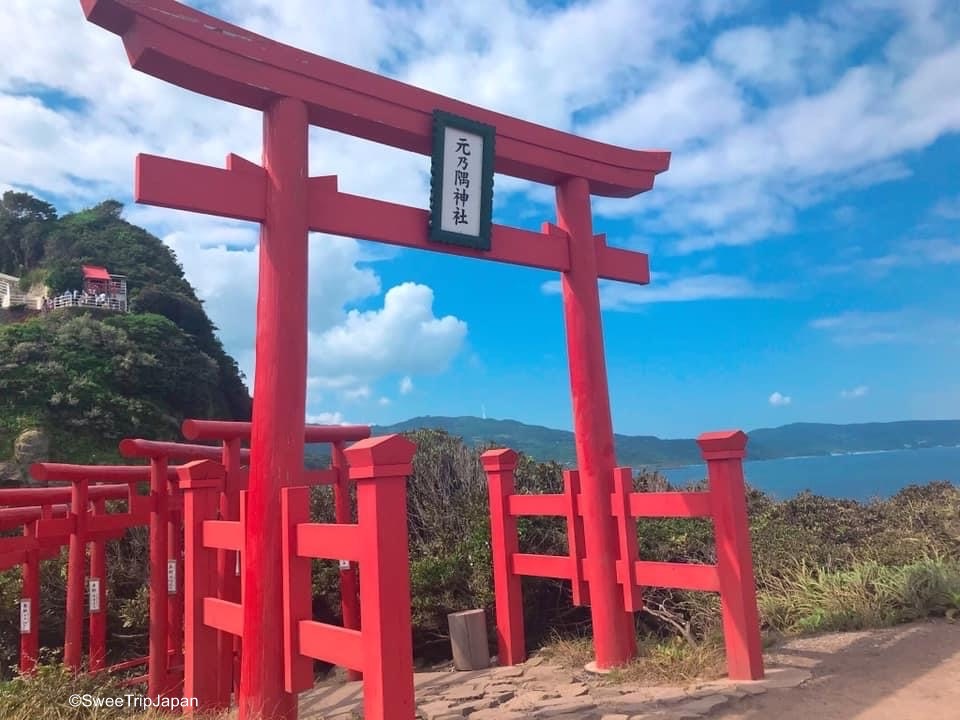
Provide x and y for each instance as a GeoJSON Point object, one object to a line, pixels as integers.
{"type": "Point", "coordinates": [99, 236]}
{"type": "Point", "coordinates": [125, 375]}
{"type": "Point", "coordinates": [184, 311]}
{"type": "Point", "coordinates": [91, 377]}
{"type": "Point", "coordinates": [25, 222]}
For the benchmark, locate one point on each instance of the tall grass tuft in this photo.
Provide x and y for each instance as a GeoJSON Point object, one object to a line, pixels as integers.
{"type": "Point", "coordinates": [803, 598]}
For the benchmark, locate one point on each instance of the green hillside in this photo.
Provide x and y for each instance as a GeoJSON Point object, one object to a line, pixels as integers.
{"type": "Point", "coordinates": [89, 377]}
{"type": "Point", "coordinates": [545, 443]}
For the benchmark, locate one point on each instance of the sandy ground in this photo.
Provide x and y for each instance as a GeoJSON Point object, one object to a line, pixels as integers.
{"type": "Point", "coordinates": [907, 673]}
{"type": "Point", "coordinates": [911, 672]}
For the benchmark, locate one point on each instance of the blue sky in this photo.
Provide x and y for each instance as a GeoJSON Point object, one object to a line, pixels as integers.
{"type": "Point", "coordinates": [804, 243]}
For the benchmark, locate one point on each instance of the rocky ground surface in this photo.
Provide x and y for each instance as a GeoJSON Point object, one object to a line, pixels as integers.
{"type": "Point", "coordinates": [905, 673]}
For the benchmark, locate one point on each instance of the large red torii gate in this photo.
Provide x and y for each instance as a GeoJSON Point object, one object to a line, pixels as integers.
{"type": "Point", "coordinates": [296, 89]}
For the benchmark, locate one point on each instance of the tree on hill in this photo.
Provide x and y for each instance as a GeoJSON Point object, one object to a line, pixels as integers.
{"type": "Point", "coordinates": [25, 222]}
{"type": "Point", "coordinates": [99, 377]}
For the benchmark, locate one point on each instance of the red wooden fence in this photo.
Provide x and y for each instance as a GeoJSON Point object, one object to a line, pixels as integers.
{"type": "Point", "coordinates": [724, 502]}
{"type": "Point", "coordinates": [377, 541]}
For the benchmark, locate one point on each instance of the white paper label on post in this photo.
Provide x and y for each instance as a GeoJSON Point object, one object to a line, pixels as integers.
{"type": "Point", "coordinates": [25, 616]}
{"type": "Point", "coordinates": [344, 564]}
{"type": "Point", "coordinates": [172, 577]}
{"type": "Point", "coordinates": [93, 591]}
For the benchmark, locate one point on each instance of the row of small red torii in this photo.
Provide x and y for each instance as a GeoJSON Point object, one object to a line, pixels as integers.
{"type": "Point", "coordinates": [76, 517]}
{"type": "Point", "coordinates": [294, 90]}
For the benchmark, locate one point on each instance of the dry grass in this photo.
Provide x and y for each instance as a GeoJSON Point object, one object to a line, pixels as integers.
{"type": "Point", "coordinates": [658, 661]}
{"type": "Point", "coordinates": [47, 696]}
{"type": "Point", "coordinates": [673, 661]}
{"type": "Point", "coordinates": [573, 651]}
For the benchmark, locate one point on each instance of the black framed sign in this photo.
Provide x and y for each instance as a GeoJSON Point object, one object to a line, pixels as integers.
{"type": "Point", "coordinates": [461, 181]}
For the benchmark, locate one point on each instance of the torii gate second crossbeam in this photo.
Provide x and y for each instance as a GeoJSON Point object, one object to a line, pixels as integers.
{"type": "Point", "coordinates": [296, 89]}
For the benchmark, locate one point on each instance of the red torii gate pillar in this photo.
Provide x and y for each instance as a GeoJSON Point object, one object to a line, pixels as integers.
{"type": "Point", "coordinates": [279, 404]}
{"type": "Point", "coordinates": [614, 637]}
{"type": "Point", "coordinates": [294, 89]}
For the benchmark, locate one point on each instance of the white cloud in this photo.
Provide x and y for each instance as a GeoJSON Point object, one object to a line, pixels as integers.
{"type": "Point", "coordinates": [780, 104]}
{"type": "Point", "coordinates": [402, 337]}
{"type": "Point", "coordinates": [384, 401]}
{"type": "Point", "coordinates": [948, 208]}
{"type": "Point", "coordinates": [761, 161]}
{"type": "Point", "coordinates": [362, 392]}
{"type": "Point", "coordinates": [763, 121]}
{"type": "Point", "coordinates": [858, 392]}
{"type": "Point", "coordinates": [620, 296]}
{"type": "Point", "coordinates": [918, 253]}
{"type": "Point", "coordinates": [791, 57]}
{"type": "Point", "coordinates": [856, 328]}
{"type": "Point", "coordinates": [778, 399]}
{"type": "Point", "coordinates": [406, 385]}
{"type": "Point", "coordinates": [326, 418]}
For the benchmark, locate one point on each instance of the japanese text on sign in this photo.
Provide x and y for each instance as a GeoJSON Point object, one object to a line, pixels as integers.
{"type": "Point", "coordinates": [462, 168]}
{"type": "Point", "coordinates": [93, 592]}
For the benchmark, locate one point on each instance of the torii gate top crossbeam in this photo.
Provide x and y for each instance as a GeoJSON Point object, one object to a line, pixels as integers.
{"type": "Point", "coordinates": [199, 52]}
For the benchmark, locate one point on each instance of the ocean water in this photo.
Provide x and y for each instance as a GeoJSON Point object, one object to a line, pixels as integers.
{"type": "Point", "coordinates": [858, 476]}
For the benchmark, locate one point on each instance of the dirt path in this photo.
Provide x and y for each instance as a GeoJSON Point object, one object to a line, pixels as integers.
{"type": "Point", "coordinates": [910, 672]}
{"type": "Point", "coordinates": [906, 673]}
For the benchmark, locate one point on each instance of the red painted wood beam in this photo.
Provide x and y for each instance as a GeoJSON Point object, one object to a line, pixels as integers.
{"type": "Point", "coordinates": [140, 448]}
{"type": "Point", "coordinates": [685, 576]}
{"type": "Point", "coordinates": [223, 534]}
{"type": "Point", "coordinates": [520, 505]}
{"type": "Point", "coordinates": [223, 615]}
{"type": "Point", "coordinates": [12, 518]}
{"type": "Point", "coordinates": [48, 472]}
{"type": "Point", "coordinates": [670, 505]}
{"type": "Point", "coordinates": [239, 194]}
{"type": "Point", "coordinates": [37, 496]}
{"type": "Point", "coordinates": [202, 53]}
{"type": "Point", "coordinates": [329, 541]}
{"type": "Point", "coordinates": [320, 477]}
{"type": "Point", "coordinates": [115, 522]}
{"type": "Point", "coordinates": [555, 566]}
{"type": "Point", "coordinates": [12, 559]}
{"type": "Point", "coordinates": [333, 644]}
{"type": "Point", "coordinates": [240, 430]}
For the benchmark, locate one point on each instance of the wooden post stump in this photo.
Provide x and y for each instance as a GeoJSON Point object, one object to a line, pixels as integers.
{"type": "Point", "coordinates": [468, 637]}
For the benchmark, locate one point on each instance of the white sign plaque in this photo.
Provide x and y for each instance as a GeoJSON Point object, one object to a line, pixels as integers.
{"type": "Point", "coordinates": [25, 616]}
{"type": "Point", "coordinates": [344, 564]}
{"type": "Point", "coordinates": [171, 577]}
{"type": "Point", "coordinates": [461, 181]}
{"type": "Point", "coordinates": [93, 593]}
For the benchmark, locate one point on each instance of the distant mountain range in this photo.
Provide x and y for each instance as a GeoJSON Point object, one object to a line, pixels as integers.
{"type": "Point", "coordinates": [798, 439]}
